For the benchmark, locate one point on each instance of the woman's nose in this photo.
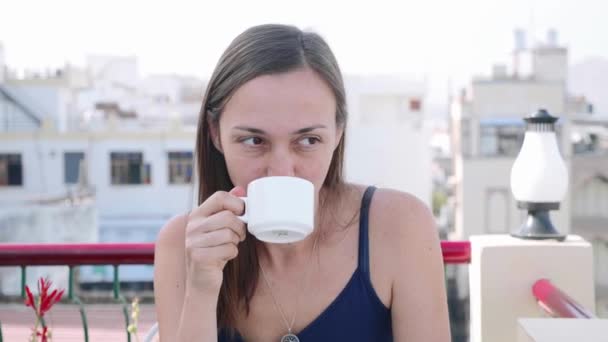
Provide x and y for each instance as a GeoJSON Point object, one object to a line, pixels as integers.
{"type": "Point", "coordinates": [280, 163]}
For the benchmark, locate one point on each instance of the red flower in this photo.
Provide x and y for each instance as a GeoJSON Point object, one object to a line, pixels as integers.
{"type": "Point", "coordinates": [44, 334]}
{"type": "Point", "coordinates": [46, 300]}
{"type": "Point", "coordinates": [29, 300]}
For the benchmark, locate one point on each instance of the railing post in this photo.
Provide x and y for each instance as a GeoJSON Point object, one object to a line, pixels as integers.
{"type": "Point", "coordinates": [121, 299]}
{"type": "Point", "coordinates": [23, 280]}
{"type": "Point", "coordinates": [76, 300]}
{"type": "Point", "coordinates": [116, 283]}
{"type": "Point", "coordinates": [71, 283]}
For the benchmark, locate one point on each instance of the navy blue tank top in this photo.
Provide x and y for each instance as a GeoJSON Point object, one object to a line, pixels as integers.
{"type": "Point", "coordinates": [357, 314]}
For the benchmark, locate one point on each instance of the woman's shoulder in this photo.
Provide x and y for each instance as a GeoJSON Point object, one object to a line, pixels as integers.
{"type": "Point", "coordinates": [173, 232]}
{"type": "Point", "coordinates": [393, 211]}
{"type": "Point", "coordinates": [400, 208]}
{"type": "Point", "coordinates": [400, 219]}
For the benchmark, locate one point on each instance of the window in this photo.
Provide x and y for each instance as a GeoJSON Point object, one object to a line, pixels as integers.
{"type": "Point", "coordinates": [11, 170]}
{"type": "Point", "coordinates": [129, 168]}
{"type": "Point", "coordinates": [72, 166]}
{"type": "Point", "coordinates": [415, 105]}
{"type": "Point", "coordinates": [501, 140]}
{"type": "Point", "coordinates": [180, 167]}
{"type": "Point", "coordinates": [488, 141]}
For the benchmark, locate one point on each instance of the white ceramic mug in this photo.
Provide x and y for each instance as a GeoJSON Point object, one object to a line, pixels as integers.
{"type": "Point", "coordinates": [279, 209]}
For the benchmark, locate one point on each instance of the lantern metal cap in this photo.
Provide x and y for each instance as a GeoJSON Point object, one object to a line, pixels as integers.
{"type": "Point", "coordinates": [541, 116]}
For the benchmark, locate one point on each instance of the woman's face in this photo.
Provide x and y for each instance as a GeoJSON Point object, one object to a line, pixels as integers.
{"type": "Point", "coordinates": [279, 125]}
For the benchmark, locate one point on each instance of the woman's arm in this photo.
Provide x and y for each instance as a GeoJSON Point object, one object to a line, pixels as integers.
{"type": "Point", "coordinates": [419, 301]}
{"type": "Point", "coordinates": [191, 252]}
{"type": "Point", "coordinates": [182, 315]}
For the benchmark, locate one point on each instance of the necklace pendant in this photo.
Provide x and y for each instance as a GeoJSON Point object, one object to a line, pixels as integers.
{"type": "Point", "coordinates": [290, 338]}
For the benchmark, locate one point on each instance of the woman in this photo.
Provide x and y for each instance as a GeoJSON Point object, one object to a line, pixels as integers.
{"type": "Point", "coordinates": [372, 268]}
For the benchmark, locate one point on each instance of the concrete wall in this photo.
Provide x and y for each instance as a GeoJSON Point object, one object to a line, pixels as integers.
{"type": "Point", "coordinates": [511, 98]}
{"type": "Point", "coordinates": [550, 64]}
{"type": "Point", "coordinates": [393, 156]}
{"type": "Point", "coordinates": [51, 223]}
{"type": "Point", "coordinates": [387, 144]}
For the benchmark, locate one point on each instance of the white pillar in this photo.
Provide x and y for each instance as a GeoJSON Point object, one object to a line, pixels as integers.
{"type": "Point", "coordinates": [503, 270]}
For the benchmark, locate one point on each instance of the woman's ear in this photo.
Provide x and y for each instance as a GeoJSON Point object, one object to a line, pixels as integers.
{"type": "Point", "coordinates": [214, 130]}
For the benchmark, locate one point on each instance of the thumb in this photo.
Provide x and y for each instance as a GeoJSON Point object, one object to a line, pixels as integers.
{"type": "Point", "coordinates": [238, 191]}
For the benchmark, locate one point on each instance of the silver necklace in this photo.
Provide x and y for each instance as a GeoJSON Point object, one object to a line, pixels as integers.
{"type": "Point", "coordinates": [290, 336]}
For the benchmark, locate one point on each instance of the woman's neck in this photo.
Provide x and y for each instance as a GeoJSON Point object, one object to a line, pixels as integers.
{"type": "Point", "coordinates": [280, 257]}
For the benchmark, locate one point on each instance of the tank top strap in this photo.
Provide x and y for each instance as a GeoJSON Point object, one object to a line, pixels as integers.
{"type": "Point", "coordinates": [363, 230]}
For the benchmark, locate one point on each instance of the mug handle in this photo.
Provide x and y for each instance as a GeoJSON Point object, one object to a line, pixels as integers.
{"type": "Point", "coordinates": [244, 217]}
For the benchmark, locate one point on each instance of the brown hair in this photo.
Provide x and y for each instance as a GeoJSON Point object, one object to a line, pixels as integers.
{"type": "Point", "coordinates": [260, 50]}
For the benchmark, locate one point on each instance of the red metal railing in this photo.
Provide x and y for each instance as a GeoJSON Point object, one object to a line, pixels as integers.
{"type": "Point", "coordinates": [454, 252]}
{"type": "Point", "coordinates": [76, 254]}
{"type": "Point", "coordinates": [557, 303]}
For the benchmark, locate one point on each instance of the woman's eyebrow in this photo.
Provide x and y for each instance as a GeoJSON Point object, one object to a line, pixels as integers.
{"type": "Point", "coordinates": [262, 132]}
{"type": "Point", "coordinates": [308, 129]}
{"type": "Point", "coordinates": [249, 129]}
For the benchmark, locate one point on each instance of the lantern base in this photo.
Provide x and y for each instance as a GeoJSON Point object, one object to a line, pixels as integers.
{"type": "Point", "coordinates": [538, 226]}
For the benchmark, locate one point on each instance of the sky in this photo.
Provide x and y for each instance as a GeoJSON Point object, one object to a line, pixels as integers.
{"type": "Point", "coordinates": [444, 42]}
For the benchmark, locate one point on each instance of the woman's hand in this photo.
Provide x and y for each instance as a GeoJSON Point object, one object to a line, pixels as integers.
{"type": "Point", "coordinates": [213, 232]}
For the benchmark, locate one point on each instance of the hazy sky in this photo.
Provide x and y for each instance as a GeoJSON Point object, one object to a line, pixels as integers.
{"type": "Point", "coordinates": [432, 38]}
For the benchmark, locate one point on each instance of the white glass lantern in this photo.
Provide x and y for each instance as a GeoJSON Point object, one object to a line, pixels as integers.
{"type": "Point", "coordinates": [539, 178]}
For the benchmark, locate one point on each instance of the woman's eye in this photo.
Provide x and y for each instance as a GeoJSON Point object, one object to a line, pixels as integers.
{"type": "Point", "coordinates": [253, 141]}
{"type": "Point", "coordinates": [309, 141]}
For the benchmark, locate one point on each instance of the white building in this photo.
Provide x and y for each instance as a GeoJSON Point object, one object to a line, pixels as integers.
{"type": "Point", "coordinates": [387, 143]}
